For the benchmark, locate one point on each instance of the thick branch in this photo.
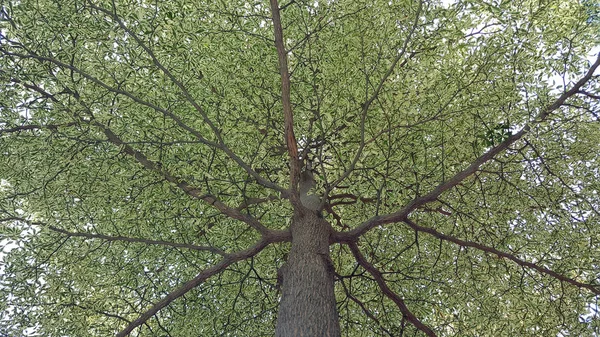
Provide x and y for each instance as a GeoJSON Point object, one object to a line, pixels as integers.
{"type": "Point", "coordinates": [200, 278]}
{"type": "Point", "coordinates": [590, 95]}
{"type": "Point", "coordinates": [403, 213]}
{"type": "Point", "coordinates": [157, 167]}
{"type": "Point", "coordinates": [288, 116]}
{"type": "Point", "coordinates": [181, 183]}
{"type": "Point", "coordinates": [388, 292]}
{"type": "Point", "coordinates": [525, 264]}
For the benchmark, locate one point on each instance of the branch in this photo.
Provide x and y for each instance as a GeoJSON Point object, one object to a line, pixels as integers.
{"type": "Point", "coordinates": [288, 116]}
{"type": "Point", "coordinates": [30, 127]}
{"type": "Point", "coordinates": [590, 95]}
{"type": "Point", "coordinates": [402, 126]}
{"type": "Point", "coordinates": [117, 238]}
{"type": "Point", "coordinates": [388, 292]}
{"type": "Point", "coordinates": [287, 5]}
{"type": "Point", "coordinates": [157, 167]}
{"type": "Point", "coordinates": [181, 183]}
{"type": "Point", "coordinates": [200, 278]}
{"type": "Point", "coordinates": [192, 101]}
{"type": "Point", "coordinates": [502, 254]}
{"type": "Point", "coordinates": [255, 201]}
{"type": "Point", "coordinates": [211, 249]}
{"type": "Point", "coordinates": [354, 198]}
{"type": "Point", "coordinates": [107, 87]}
{"type": "Point", "coordinates": [220, 145]}
{"type": "Point", "coordinates": [362, 306]}
{"type": "Point", "coordinates": [104, 313]}
{"type": "Point", "coordinates": [367, 104]}
{"type": "Point", "coordinates": [16, 218]}
{"type": "Point", "coordinates": [403, 213]}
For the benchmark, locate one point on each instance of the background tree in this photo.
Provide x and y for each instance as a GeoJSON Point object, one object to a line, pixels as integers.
{"type": "Point", "coordinates": [151, 154]}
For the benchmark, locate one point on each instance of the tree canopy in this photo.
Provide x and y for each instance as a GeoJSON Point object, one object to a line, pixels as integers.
{"type": "Point", "coordinates": [150, 153]}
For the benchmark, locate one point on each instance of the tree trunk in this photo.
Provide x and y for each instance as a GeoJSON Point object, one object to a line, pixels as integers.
{"type": "Point", "coordinates": [308, 307]}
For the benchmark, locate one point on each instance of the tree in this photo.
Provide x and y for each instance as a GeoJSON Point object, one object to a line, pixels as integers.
{"type": "Point", "coordinates": [152, 151]}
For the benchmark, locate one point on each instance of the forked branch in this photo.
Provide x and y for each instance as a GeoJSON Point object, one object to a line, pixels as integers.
{"type": "Point", "coordinates": [220, 145]}
{"type": "Point", "coordinates": [360, 258]}
{"type": "Point", "coordinates": [181, 183]}
{"type": "Point", "coordinates": [403, 213]}
{"type": "Point", "coordinates": [188, 96]}
{"type": "Point", "coordinates": [159, 169]}
{"type": "Point", "coordinates": [367, 104]}
{"type": "Point", "coordinates": [501, 254]}
{"type": "Point", "coordinates": [200, 278]}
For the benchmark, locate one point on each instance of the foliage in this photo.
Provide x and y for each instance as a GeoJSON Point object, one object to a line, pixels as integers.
{"type": "Point", "coordinates": [142, 142]}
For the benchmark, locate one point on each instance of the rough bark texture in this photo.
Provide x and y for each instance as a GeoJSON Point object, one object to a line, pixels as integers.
{"type": "Point", "coordinates": [308, 307]}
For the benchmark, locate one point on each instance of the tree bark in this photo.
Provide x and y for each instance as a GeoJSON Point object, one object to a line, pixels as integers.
{"type": "Point", "coordinates": [308, 307]}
